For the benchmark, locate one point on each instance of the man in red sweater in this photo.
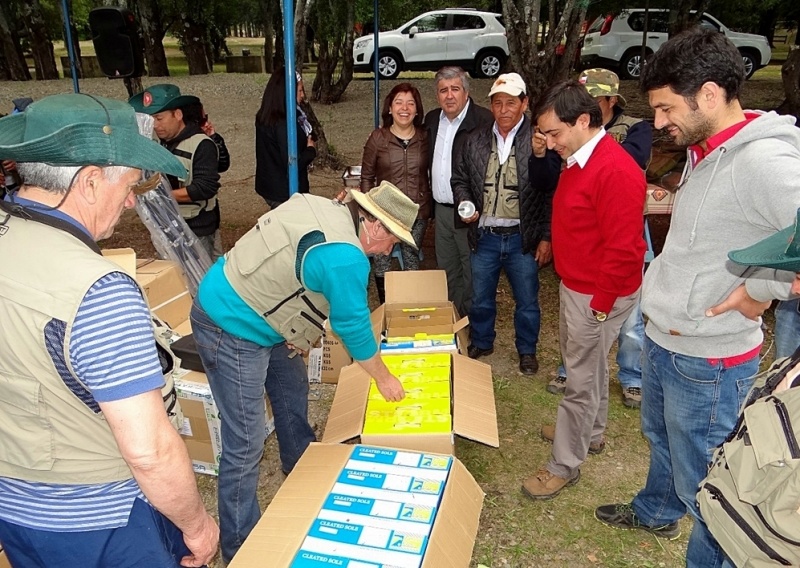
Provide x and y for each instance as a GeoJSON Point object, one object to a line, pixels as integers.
{"type": "Point", "coordinates": [598, 250]}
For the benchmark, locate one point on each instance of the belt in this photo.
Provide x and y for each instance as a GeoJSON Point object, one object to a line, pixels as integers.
{"type": "Point", "coordinates": [514, 229]}
{"type": "Point", "coordinates": [449, 205]}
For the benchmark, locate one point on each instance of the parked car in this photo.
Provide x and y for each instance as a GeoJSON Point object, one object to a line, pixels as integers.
{"type": "Point", "coordinates": [469, 38]}
{"type": "Point", "coordinates": [615, 40]}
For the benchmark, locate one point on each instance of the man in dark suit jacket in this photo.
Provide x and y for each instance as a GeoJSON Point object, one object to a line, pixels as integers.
{"type": "Point", "coordinates": [448, 126]}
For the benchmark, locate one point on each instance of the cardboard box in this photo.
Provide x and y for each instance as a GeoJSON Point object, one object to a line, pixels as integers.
{"type": "Point", "coordinates": [165, 288]}
{"type": "Point", "coordinates": [286, 522]}
{"type": "Point", "coordinates": [125, 258]}
{"type": "Point", "coordinates": [201, 423]}
{"type": "Point", "coordinates": [4, 563]}
{"type": "Point", "coordinates": [474, 413]}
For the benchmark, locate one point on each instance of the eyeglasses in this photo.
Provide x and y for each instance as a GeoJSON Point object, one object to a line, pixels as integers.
{"type": "Point", "coordinates": [148, 183]}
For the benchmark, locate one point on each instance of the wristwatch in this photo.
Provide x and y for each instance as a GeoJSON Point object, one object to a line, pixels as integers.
{"type": "Point", "coordinates": [600, 316]}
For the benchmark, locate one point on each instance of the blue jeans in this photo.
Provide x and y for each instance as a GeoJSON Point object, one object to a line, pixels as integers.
{"type": "Point", "coordinates": [239, 371]}
{"type": "Point", "coordinates": [787, 328]}
{"type": "Point", "coordinates": [689, 406]}
{"type": "Point", "coordinates": [496, 252]}
{"type": "Point", "coordinates": [149, 539]}
{"type": "Point", "coordinates": [629, 351]}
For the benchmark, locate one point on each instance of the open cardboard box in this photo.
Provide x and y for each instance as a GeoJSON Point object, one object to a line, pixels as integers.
{"type": "Point", "coordinates": [4, 563]}
{"type": "Point", "coordinates": [474, 413]}
{"type": "Point", "coordinates": [278, 535]}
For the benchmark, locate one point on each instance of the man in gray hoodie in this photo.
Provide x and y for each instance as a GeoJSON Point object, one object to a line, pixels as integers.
{"type": "Point", "coordinates": [703, 338]}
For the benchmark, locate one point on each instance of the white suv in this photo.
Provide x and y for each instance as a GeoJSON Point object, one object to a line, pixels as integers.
{"type": "Point", "coordinates": [468, 38]}
{"type": "Point", "coordinates": [615, 40]}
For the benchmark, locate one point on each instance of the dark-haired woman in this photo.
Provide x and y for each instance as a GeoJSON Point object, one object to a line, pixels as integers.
{"type": "Point", "coordinates": [398, 153]}
{"type": "Point", "coordinates": [272, 151]}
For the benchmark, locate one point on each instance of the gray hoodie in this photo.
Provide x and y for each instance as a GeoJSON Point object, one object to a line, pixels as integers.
{"type": "Point", "coordinates": [741, 192]}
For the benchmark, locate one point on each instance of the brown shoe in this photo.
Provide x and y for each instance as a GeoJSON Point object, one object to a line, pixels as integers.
{"type": "Point", "coordinates": [549, 434]}
{"type": "Point", "coordinates": [545, 485]}
{"type": "Point", "coordinates": [528, 364]}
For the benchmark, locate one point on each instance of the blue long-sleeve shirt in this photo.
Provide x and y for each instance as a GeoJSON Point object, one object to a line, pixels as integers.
{"type": "Point", "coordinates": [338, 271]}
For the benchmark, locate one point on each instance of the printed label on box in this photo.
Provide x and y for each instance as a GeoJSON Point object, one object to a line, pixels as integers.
{"type": "Point", "coordinates": [399, 525]}
{"type": "Point", "coordinates": [402, 470]}
{"type": "Point", "coordinates": [306, 559]}
{"type": "Point", "coordinates": [375, 537]}
{"type": "Point", "coordinates": [420, 499]}
{"type": "Point", "coordinates": [394, 482]}
{"type": "Point", "coordinates": [384, 558]}
{"type": "Point", "coordinates": [378, 508]}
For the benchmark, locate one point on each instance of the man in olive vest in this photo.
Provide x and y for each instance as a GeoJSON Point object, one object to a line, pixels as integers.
{"type": "Point", "coordinates": [636, 137]}
{"type": "Point", "coordinates": [92, 473]}
{"type": "Point", "coordinates": [197, 194]}
{"type": "Point", "coordinates": [509, 228]}
{"type": "Point", "coordinates": [304, 262]}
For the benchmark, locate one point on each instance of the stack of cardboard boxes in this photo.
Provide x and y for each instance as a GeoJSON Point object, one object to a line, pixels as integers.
{"type": "Point", "coordinates": [169, 299]}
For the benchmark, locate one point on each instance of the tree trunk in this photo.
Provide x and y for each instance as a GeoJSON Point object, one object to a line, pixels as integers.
{"type": "Point", "coordinates": [331, 53]}
{"type": "Point", "coordinates": [194, 42]}
{"type": "Point", "coordinates": [790, 73]}
{"type": "Point", "coordinates": [12, 53]}
{"type": "Point", "coordinates": [522, 19]}
{"type": "Point", "coordinates": [268, 9]}
{"type": "Point", "coordinates": [41, 44]}
{"type": "Point", "coordinates": [151, 22]}
{"type": "Point", "coordinates": [302, 10]}
{"type": "Point", "coordinates": [278, 58]}
{"type": "Point", "coordinates": [681, 16]}
{"type": "Point", "coordinates": [324, 155]}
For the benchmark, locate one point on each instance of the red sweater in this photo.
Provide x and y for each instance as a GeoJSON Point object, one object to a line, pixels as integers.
{"type": "Point", "coordinates": [598, 225]}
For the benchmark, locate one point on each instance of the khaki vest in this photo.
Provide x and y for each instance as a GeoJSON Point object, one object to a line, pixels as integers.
{"type": "Point", "coordinates": [501, 187]}
{"type": "Point", "coordinates": [184, 151]}
{"type": "Point", "coordinates": [619, 130]}
{"type": "Point", "coordinates": [48, 435]}
{"type": "Point", "coordinates": [266, 266]}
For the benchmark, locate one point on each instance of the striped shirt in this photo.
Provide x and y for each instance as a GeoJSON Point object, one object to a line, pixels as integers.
{"type": "Point", "coordinates": [113, 352]}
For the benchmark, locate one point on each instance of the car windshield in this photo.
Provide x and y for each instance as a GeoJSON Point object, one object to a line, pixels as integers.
{"type": "Point", "coordinates": [596, 25]}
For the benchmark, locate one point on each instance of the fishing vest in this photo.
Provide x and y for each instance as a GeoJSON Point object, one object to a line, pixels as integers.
{"type": "Point", "coordinates": [184, 151]}
{"type": "Point", "coordinates": [265, 267]}
{"type": "Point", "coordinates": [48, 433]}
{"type": "Point", "coordinates": [619, 130]}
{"type": "Point", "coordinates": [751, 496]}
{"type": "Point", "coordinates": [501, 186]}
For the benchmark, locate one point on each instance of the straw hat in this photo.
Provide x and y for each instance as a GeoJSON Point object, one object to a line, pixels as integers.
{"type": "Point", "coordinates": [82, 130]}
{"type": "Point", "coordinates": [391, 207]}
{"type": "Point", "coordinates": [780, 251]}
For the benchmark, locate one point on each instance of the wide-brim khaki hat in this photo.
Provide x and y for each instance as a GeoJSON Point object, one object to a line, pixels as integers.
{"type": "Point", "coordinates": [391, 207]}
{"type": "Point", "coordinates": [82, 130]}
{"type": "Point", "coordinates": [780, 251]}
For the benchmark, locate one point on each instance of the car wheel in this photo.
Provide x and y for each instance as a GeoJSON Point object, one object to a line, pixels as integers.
{"type": "Point", "coordinates": [488, 65]}
{"type": "Point", "coordinates": [631, 65]}
{"type": "Point", "coordinates": [388, 65]}
{"type": "Point", "coordinates": [750, 64]}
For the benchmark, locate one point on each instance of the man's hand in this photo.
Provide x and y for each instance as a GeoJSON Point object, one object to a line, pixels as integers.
{"type": "Point", "coordinates": [740, 301]}
{"type": "Point", "coordinates": [391, 388]}
{"type": "Point", "coordinates": [544, 253]}
{"type": "Point", "coordinates": [9, 166]}
{"type": "Point", "coordinates": [310, 142]}
{"type": "Point", "coordinates": [202, 545]}
{"type": "Point", "coordinates": [208, 128]}
{"type": "Point", "coordinates": [538, 143]}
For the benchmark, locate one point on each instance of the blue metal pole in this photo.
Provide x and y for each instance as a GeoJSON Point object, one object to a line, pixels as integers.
{"type": "Point", "coordinates": [291, 93]}
{"type": "Point", "coordinates": [376, 64]}
{"type": "Point", "coordinates": [70, 47]}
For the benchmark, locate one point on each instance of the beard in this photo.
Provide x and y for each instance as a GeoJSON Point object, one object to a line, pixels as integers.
{"type": "Point", "coordinates": [696, 128]}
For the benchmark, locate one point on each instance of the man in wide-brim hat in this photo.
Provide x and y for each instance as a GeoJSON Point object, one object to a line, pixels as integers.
{"type": "Point", "coordinates": [304, 262]}
{"type": "Point", "coordinates": [92, 472]}
{"type": "Point", "coordinates": [181, 134]}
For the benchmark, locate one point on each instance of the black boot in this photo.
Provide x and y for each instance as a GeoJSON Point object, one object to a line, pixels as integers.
{"type": "Point", "coordinates": [379, 284]}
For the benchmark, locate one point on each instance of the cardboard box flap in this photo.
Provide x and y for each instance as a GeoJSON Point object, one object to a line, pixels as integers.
{"type": "Point", "coordinates": [460, 324]}
{"type": "Point", "coordinates": [346, 417]}
{"type": "Point", "coordinates": [416, 286]}
{"type": "Point", "coordinates": [125, 258]}
{"type": "Point", "coordinates": [276, 538]}
{"type": "Point", "coordinates": [474, 412]}
{"type": "Point", "coordinates": [453, 536]}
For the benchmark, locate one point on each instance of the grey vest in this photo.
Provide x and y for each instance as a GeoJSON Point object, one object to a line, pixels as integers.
{"type": "Point", "coordinates": [48, 434]}
{"type": "Point", "coordinates": [501, 186]}
{"type": "Point", "coordinates": [184, 151]}
{"type": "Point", "coordinates": [265, 266]}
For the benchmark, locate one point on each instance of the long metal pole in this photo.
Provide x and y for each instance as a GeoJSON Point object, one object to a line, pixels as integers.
{"type": "Point", "coordinates": [291, 93]}
{"type": "Point", "coordinates": [70, 49]}
{"type": "Point", "coordinates": [376, 63]}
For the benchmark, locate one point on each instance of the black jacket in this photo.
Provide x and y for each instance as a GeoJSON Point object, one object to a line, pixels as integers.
{"type": "Point", "coordinates": [536, 196]}
{"type": "Point", "coordinates": [476, 117]}
{"type": "Point", "coordinates": [272, 161]}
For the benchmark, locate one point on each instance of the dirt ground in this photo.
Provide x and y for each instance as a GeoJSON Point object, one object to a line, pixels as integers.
{"type": "Point", "coordinates": [514, 531]}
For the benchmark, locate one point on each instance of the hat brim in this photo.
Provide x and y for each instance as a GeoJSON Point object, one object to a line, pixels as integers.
{"type": "Point", "coordinates": [365, 202]}
{"type": "Point", "coordinates": [769, 253]}
{"type": "Point", "coordinates": [137, 102]}
{"type": "Point", "coordinates": [86, 144]}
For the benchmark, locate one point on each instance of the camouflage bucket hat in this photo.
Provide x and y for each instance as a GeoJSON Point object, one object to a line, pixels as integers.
{"type": "Point", "coordinates": [602, 83]}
